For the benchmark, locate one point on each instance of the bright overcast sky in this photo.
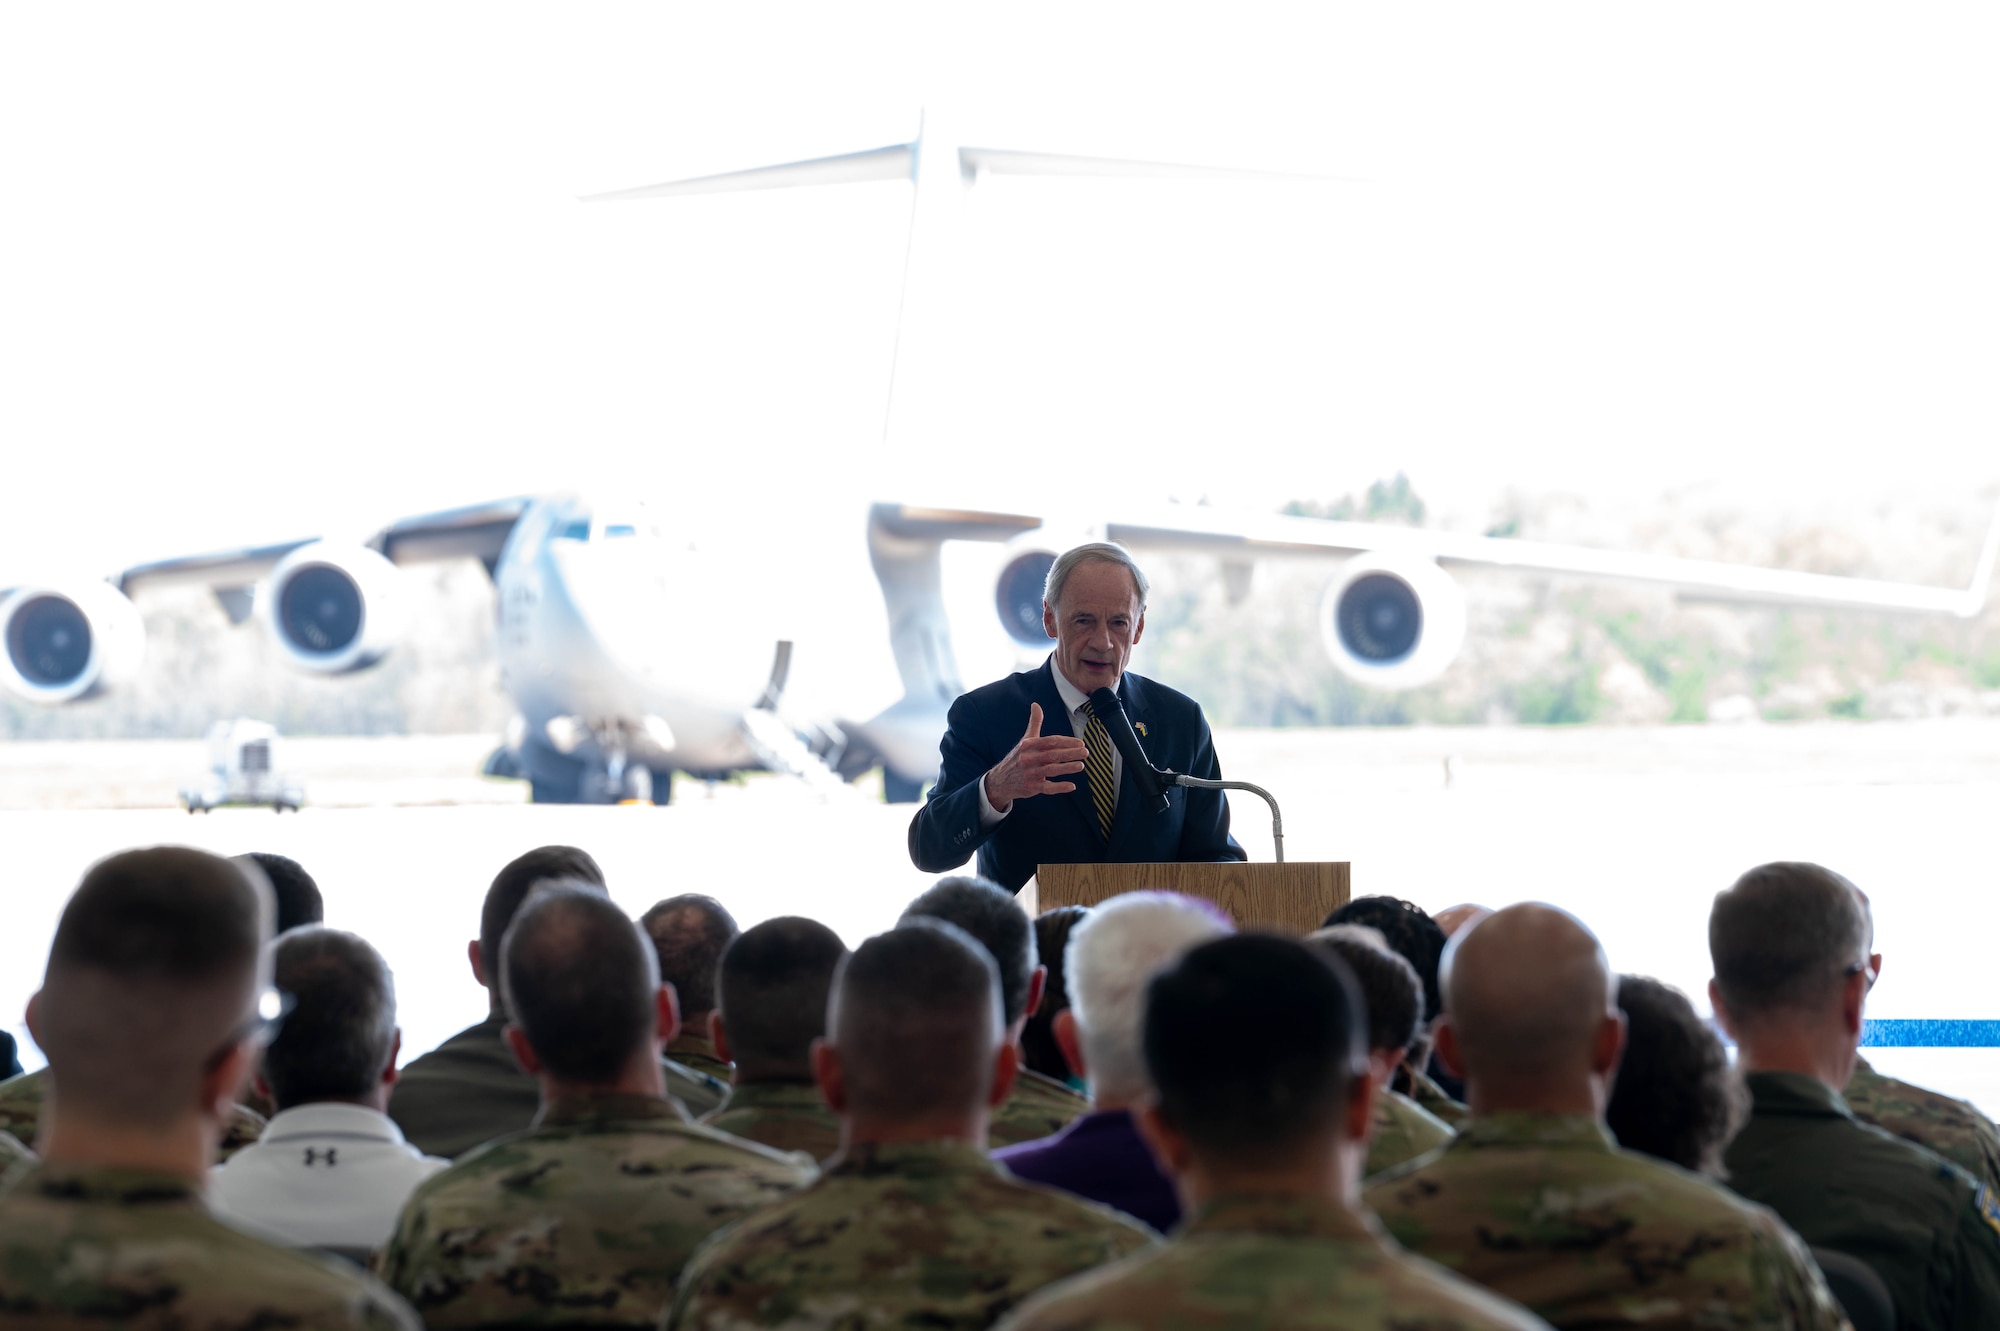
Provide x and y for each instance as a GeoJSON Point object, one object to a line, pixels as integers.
{"type": "Point", "coordinates": [270, 270]}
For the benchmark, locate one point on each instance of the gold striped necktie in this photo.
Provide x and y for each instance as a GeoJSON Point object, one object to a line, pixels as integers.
{"type": "Point", "coordinates": [1103, 792]}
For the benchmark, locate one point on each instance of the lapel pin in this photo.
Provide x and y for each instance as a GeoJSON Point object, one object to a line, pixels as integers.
{"type": "Point", "coordinates": [1139, 726]}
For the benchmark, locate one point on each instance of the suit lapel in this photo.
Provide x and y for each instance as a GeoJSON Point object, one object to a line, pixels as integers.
{"type": "Point", "coordinates": [1056, 721]}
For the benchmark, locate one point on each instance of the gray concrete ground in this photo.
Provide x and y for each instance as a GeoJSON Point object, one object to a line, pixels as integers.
{"type": "Point", "coordinates": [1633, 829]}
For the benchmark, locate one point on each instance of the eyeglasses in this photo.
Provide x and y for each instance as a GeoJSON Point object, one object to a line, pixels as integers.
{"type": "Point", "coordinates": [1858, 968]}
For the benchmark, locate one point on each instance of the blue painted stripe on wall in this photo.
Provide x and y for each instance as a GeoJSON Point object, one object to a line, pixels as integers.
{"type": "Point", "coordinates": [1929, 1033]}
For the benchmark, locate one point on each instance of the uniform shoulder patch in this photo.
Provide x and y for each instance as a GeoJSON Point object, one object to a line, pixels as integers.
{"type": "Point", "coordinates": [1988, 1207]}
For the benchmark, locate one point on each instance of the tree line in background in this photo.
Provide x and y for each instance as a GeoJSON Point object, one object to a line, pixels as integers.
{"type": "Point", "coordinates": [1537, 651]}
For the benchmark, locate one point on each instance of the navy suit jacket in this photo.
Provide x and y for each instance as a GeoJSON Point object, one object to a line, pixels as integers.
{"type": "Point", "coordinates": [985, 724]}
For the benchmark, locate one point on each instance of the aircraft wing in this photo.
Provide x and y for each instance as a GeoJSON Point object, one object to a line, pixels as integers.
{"type": "Point", "coordinates": [1237, 538]}
{"type": "Point", "coordinates": [478, 531]}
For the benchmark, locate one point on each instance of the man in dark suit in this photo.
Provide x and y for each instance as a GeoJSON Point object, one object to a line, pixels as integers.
{"type": "Point", "coordinates": [1011, 748]}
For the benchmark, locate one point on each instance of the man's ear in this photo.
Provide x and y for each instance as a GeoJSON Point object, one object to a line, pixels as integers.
{"type": "Point", "coordinates": [260, 1084]}
{"type": "Point", "coordinates": [478, 963]}
{"type": "Point", "coordinates": [1006, 1068]}
{"type": "Point", "coordinates": [719, 1037]}
{"type": "Point", "coordinates": [1139, 629]}
{"type": "Point", "coordinates": [1069, 1041]}
{"type": "Point", "coordinates": [1853, 998]}
{"type": "Point", "coordinates": [1874, 965]}
{"type": "Point", "coordinates": [1447, 1048]}
{"type": "Point", "coordinates": [34, 1018]}
{"type": "Point", "coordinates": [669, 1003]}
{"type": "Point", "coordinates": [1722, 1017]}
{"type": "Point", "coordinates": [1609, 1046]}
{"type": "Point", "coordinates": [1169, 1147]}
{"type": "Point", "coordinates": [222, 1084]}
{"type": "Point", "coordinates": [1038, 989]}
{"type": "Point", "coordinates": [1359, 1124]}
{"type": "Point", "coordinates": [1049, 620]}
{"type": "Point", "coordinates": [524, 1053]}
{"type": "Point", "coordinates": [1382, 1063]}
{"type": "Point", "coordinates": [828, 1076]}
{"type": "Point", "coordinates": [389, 1070]}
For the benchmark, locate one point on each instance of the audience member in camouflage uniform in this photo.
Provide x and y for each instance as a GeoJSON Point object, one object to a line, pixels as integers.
{"type": "Point", "coordinates": [21, 1115]}
{"type": "Point", "coordinates": [1038, 1106]}
{"type": "Point", "coordinates": [1268, 1146]}
{"type": "Point", "coordinates": [11, 1151]}
{"type": "Point", "coordinates": [1790, 945]}
{"type": "Point", "coordinates": [1951, 1128]}
{"type": "Point", "coordinates": [589, 1215]}
{"type": "Point", "coordinates": [1112, 954]}
{"type": "Point", "coordinates": [772, 990]}
{"type": "Point", "coordinates": [1394, 996]}
{"type": "Point", "coordinates": [1534, 1200]}
{"type": "Point", "coordinates": [1409, 931]}
{"type": "Point", "coordinates": [910, 1224]}
{"type": "Point", "coordinates": [149, 1018]}
{"type": "Point", "coordinates": [470, 1090]}
{"type": "Point", "coordinates": [689, 933]}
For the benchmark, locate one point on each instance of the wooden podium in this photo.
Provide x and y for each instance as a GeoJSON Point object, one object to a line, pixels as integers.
{"type": "Point", "coordinates": [1287, 898]}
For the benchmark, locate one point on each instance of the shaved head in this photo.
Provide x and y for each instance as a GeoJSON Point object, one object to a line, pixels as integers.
{"type": "Point", "coordinates": [1452, 919]}
{"type": "Point", "coordinates": [155, 969]}
{"type": "Point", "coordinates": [915, 1020]}
{"type": "Point", "coordinates": [1527, 990]}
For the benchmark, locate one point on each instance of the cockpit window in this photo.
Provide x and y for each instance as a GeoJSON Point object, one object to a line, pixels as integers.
{"type": "Point", "coordinates": [576, 529]}
{"type": "Point", "coordinates": [612, 529]}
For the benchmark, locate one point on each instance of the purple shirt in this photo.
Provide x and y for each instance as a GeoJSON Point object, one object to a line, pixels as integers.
{"type": "Point", "coordinates": [1102, 1158]}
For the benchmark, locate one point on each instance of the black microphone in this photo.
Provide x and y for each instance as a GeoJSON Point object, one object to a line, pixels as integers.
{"type": "Point", "coordinates": [1105, 705]}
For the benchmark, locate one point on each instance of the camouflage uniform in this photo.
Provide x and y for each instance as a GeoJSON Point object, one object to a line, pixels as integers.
{"type": "Point", "coordinates": [1431, 1097]}
{"type": "Point", "coordinates": [911, 1234]}
{"type": "Point", "coordinates": [1403, 1131]}
{"type": "Point", "coordinates": [469, 1091]}
{"type": "Point", "coordinates": [1950, 1128]}
{"type": "Point", "coordinates": [588, 1217]}
{"type": "Point", "coordinates": [1037, 1107]}
{"type": "Point", "coordinates": [1261, 1263]}
{"type": "Point", "coordinates": [11, 1151]}
{"type": "Point", "coordinates": [97, 1247]}
{"type": "Point", "coordinates": [698, 1052]}
{"type": "Point", "coordinates": [1545, 1209]}
{"type": "Point", "coordinates": [21, 1115]}
{"type": "Point", "coordinates": [783, 1115]}
{"type": "Point", "coordinates": [1928, 1229]}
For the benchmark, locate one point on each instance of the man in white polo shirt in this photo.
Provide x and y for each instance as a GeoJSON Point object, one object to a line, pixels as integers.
{"type": "Point", "coordinates": [331, 1170]}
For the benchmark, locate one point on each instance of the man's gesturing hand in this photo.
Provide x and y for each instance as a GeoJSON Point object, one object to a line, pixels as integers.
{"type": "Point", "coordinates": [1034, 764]}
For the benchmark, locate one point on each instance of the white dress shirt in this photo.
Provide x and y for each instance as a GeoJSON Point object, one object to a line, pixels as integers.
{"type": "Point", "coordinates": [1073, 698]}
{"type": "Point", "coordinates": [323, 1176]}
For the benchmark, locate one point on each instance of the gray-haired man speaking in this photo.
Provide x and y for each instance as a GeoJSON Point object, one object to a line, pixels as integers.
{"type": "Point", "coordinates": [1030, 775]}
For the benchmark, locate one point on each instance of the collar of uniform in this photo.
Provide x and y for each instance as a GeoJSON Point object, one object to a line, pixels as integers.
{"type": "Point", "coordinates": [687, 1042]}
{"type": "Point", "coordinates": [774, 1095]}
{"type": "Point", "coordinates": [328, 1119]}
{"type": "Point", "coordinates": [932, 1159]}
{"type": "Point", "coordinates": [1574, 1131]}
{"type": "Point", "coordinates": [1794, 1094]}
{"type": "Point", "coordinates": [606, 1111]}
{"type": "Point", "coordinates": [1072, 696]}
{"type": "Point", "coordinates": [68, 1182]}
{"type": "Point", "coordinates": [1281, 1215]}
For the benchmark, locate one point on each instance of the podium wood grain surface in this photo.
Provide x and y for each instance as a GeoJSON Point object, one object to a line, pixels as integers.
{"type": "Point", "coordinates": [1288, 898]}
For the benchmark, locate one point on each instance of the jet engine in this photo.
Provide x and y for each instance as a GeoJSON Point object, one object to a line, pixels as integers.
{"type": "Point", "coordinates": [67, 643]}
{"type": "Point", "coordinates": [333, 609]}
{"type": "Point", "coordinates": [1392, 622]}
{"type": "Point", "coordinates": [1017, 592]}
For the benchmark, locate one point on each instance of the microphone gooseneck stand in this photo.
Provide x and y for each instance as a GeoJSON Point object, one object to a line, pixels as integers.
{"type": "Point", "coordinates": [1202, 783]}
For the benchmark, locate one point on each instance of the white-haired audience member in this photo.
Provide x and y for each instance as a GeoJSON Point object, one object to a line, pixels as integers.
{"type": "Point", "coordinates": [331, 1170]}
{"type": "Point", "coordinates": [1111, 957]}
